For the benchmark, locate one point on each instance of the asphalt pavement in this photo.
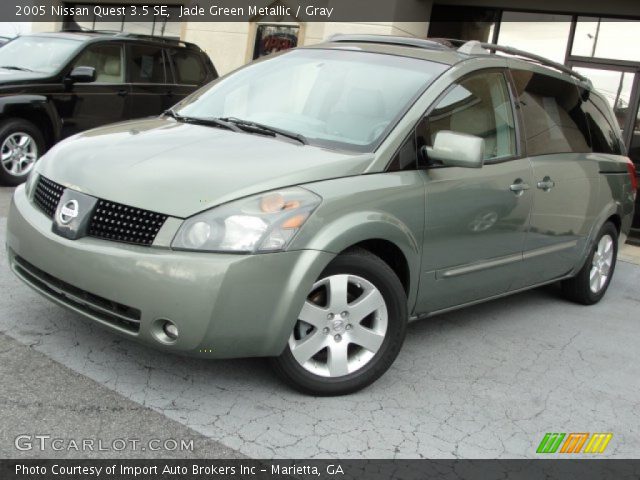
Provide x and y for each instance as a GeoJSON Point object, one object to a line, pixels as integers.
{"type": "Point", "coordinates": [484, 382]}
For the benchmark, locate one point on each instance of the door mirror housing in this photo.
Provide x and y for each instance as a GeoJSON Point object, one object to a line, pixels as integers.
{"type": "Point", "coordinates": [83, 75]}
{"type": "Point", "coordinates": [454, 149]}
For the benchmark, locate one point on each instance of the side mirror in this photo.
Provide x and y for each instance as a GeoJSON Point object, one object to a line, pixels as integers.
{"type": "Point", "coordinates": [83, 75]}
{"type": "Point", "coordinates": [455, 149]}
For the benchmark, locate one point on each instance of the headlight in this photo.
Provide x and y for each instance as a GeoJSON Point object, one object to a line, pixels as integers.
{"type": "Point", "coordinates": [261, 223]}
{"type": "Point", "coordinates": [31, 182]}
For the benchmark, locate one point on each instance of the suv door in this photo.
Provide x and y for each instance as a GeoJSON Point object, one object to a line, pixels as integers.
{"type": "Point", "coordinates": [149, 79]}
{"type": "Point", "coordinates": [476, 219]}
{"type": "Point", "coordinates": [90, 105]}
{"type": "Point", "coordinates": [565, 185]}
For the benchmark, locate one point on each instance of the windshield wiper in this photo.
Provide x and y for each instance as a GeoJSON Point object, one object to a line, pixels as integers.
{"type": "Point", "coordinates": [13, 67]}
{"type": "Point", "coordinates": [172, 113]}
{"type": "Point", "coordinates": [256, 127]}
{"type": "Point", "coordinates": [211, 122]}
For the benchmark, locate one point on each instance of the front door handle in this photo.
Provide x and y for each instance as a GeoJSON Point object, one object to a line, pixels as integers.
{"type": "Point", "coordinates": [123, 92]}
{"type": "Point", "coordinates": [519, 186]}
{"type": "Point", "coordinates": [546, 184]}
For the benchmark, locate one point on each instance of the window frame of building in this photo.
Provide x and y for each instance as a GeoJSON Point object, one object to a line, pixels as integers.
{"type": "Point", "coordinates": [158, 24]}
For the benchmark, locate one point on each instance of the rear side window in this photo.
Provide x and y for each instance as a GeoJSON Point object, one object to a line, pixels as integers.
{"type": "Point", "coordinates": [604, 138]}
{"type": "Point", "coordinates": [147, 64]}
{"type": "Point", "coordinates": [552, 112]}
{"type": "Point", "coordinates": [188, 67]}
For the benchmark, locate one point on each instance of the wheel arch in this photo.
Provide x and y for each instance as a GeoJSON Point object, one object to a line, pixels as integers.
{"type": "Point", "coordinates": [616, 220]}
{"type": "Point", "coordinates": [36, 109]}
{"type": "Point", "coordinates": [391, 254]}
{"type": "Point", "coordinates": [377, 232]}
{"type": "Point", "coordinates": [613, 212]}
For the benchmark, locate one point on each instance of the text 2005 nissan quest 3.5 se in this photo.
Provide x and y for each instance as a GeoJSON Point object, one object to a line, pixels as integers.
{"type": "Point", "coordinates": [307, 206]}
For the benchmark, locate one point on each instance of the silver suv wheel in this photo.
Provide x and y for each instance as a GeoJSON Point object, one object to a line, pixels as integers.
{"type": "Point", "coordinates": [341, 326]}
{"type": "Point", "coordinates": [18, 153]}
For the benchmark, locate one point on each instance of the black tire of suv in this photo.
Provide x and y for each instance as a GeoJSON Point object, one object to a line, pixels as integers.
{"type": "Point", "coordinates": [359, 262]}
{"type": "Point", "coordinates": [13, 125]}
{"type": "Point", "coordinates": [577, 289]}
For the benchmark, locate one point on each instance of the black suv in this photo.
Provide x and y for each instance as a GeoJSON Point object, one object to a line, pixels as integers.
{"type": "Point", "coordinates": [54, 85]}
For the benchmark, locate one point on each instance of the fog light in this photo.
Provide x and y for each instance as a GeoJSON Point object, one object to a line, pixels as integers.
{"type": "Point", "coordinates": [170, 330]}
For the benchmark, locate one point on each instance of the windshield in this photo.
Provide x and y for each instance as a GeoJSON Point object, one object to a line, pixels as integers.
{"type": "Point", "coordinates": [334, 98]}
{"type": "Point", "coordinates": [38, 54]}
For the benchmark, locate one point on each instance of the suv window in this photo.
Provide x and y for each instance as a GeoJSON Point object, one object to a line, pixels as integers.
{"type": "Point", "coordinates": [147, 64]}
{"type": "Point", "coordinates": [188, 67]}
{"type": "Point", "coordinates": [106, 59]}
{"type": "Point", "coordinates": [604, 138]}
{"type": "Point", "coordinates": [553, 118]}
{"type": "Point", "coordinates": [478, 105]}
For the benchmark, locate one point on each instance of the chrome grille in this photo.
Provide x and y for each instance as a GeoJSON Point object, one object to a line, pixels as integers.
{"type": "Point", "coordinates": [121, 223]}
{"type": "Point", "coordinates": [47, 195]}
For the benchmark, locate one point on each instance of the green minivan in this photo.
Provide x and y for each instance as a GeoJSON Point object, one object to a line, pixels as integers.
{"type": "Point", "coordinates": [308, 206]}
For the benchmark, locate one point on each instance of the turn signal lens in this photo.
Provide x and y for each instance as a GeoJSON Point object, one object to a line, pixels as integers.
{"type": "Point", "coordinates": [295, 222]}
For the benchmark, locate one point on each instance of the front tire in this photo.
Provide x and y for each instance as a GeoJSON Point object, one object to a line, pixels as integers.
{"type": "Point", "coordinates": [350, 329]}
{"type": "Point", "coordinates": [21, 144]}
{"type": "Point", "coordinates": [591, 282]}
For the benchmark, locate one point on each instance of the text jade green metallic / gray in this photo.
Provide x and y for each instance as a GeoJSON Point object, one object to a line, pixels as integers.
{"type": "Point", "coordinates": [242, 204]}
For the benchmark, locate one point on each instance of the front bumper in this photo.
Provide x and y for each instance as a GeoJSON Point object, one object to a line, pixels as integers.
{"type": "Point", "coordinates": [224, 305]}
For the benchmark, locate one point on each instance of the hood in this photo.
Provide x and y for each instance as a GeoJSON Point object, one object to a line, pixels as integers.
{"type": "Point", "coordinates": [180, 169]}
{"type": "Point", "coordinates": [10, 77]}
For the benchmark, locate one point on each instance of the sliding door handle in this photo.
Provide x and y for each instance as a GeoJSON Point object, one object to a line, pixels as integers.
{"type": "Point", "coordinates": [546, 184]}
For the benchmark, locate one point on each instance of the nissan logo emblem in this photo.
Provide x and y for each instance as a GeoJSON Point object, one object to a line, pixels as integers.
{"type": "Point", "coordinates": [68, 212]}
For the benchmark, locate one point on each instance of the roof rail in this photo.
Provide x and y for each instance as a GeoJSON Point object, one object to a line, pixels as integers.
{"type": "Point", "coordinates": [387, 40]}
{"type": "Point", "coordinates": [141, 36]}
{"type": "Point", "coordinates": [156, 38]}
{"type": "Point", "coordinates": [472, 48]}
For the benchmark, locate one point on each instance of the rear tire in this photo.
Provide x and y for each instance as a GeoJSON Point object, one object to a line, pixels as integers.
{"type": "Point", "coordinates": [21, 144]}
{"type": "Point", "coordinates": [326, 352]}
{"type": "Point", "coordinates": [591, 282]}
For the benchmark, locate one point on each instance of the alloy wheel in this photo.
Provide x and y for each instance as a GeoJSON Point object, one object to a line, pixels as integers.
{"type": "Point", "coordinates": [18, 154]}
{"type": "Point", "coordinates": [341, 327]}
{"type": "Point", "coordinates": [601, 264]}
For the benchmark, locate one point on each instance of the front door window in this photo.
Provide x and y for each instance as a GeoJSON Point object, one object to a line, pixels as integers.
{"type": "Point", "coordinates": [478, 105]}
{"type": "Point", "coordinates": [107, 60]}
